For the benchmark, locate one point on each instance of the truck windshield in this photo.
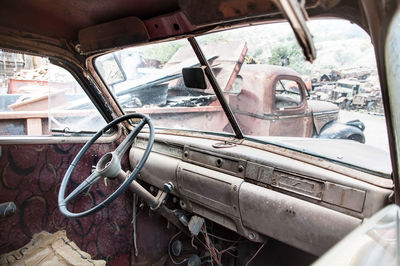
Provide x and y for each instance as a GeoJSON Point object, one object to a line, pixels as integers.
{"type": "Point", "coordinates": [148, 80]}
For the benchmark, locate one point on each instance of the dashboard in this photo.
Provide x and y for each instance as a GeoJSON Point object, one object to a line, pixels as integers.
{"type": "Point", "coordinates": [260, 194]}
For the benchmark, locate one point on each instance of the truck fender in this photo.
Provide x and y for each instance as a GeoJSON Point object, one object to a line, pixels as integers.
{"type": "Point", "coordinates": [352, 130]}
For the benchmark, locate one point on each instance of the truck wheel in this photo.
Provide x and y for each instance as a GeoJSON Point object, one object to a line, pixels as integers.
{"type": "Point", "coordinates": [348, 105]}
{"type": "Point", "coordinates": [370, 106]}
{"type": "Point", "coordinates": [356, 138]}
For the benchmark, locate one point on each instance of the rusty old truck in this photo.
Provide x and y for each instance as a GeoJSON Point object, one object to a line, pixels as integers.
{"type": "Point", "coordinates": [280, 106]}
{"type": "Point", "coordinates": [278, 96]}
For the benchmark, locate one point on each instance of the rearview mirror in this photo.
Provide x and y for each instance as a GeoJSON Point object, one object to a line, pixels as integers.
{"type": "Point", "coordinates": [193, 77]}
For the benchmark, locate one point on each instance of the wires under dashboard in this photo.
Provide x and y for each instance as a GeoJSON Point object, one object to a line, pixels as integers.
{"type": "Point", "coordinates": [224, 239]}
{"type": "Point", "coordinates": [216, 254]}
{"type": "Point", "coordinates": [255, 254]}
{"type": "Point", "coordinates": [169, 250]}
{"type": "Point", "coordinates": [204, 247]}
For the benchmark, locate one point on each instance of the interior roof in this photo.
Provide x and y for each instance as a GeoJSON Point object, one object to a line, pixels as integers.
{"type": "Point", "coordinates": [64, 18]}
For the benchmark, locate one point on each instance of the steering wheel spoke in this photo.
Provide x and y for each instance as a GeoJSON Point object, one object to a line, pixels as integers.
{"type": "Point", "coordinates": [85, 185]}
{"type": "Point", "coordinates": [124, 146]}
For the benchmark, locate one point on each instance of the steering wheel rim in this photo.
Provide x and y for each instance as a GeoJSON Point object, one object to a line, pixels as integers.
{"type": "Point", "coordinates": [62, 201]}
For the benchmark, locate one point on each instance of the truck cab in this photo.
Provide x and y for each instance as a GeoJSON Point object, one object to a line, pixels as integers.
{"type": "Point", "coordinates": [281, 106]}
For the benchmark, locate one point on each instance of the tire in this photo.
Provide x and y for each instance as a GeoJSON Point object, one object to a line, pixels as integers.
{"type": "Point", "coordinates": [370, 106]}
{"type": "Point", "coordinates": [348, 105]}
{"type": "Point", "coordinates": [357, 138]}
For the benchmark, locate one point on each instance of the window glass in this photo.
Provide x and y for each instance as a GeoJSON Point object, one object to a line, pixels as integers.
{"type": "Point", "coordinates": [336, 97]}
{"type": "Point", "coordinates": [342, 82]}
{"type": "Point", "coordinates": [38, 98]}
{"type": "Point", "coordinates": [287, 94]}
{"type": "Point", "coordinates": [149, 80]}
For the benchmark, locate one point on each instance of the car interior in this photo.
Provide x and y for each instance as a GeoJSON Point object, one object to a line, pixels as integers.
{"type": "Point", "coordinates": [138, 161]}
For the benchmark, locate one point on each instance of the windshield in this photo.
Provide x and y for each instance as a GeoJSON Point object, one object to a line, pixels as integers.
{"type": "Point", "coordinates": [148, 80]}
{"type": "Point", "coordinates": [275, 95]}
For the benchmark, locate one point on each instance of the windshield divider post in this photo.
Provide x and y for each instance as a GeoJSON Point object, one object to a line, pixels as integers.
{"type": "Point", "coordinates": [214, 84]}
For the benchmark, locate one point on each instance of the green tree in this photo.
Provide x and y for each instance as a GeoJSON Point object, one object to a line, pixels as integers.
{"type": "Point", "coordinates": [344, 56]}
{"type": "Point", "coordinates": [162, 52]}
{"type": "Point", "coordinates": [289, 55]}
{"type": "Point", "coordinates": [283, 52]}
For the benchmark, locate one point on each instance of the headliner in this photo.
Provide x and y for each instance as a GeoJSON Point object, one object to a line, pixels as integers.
{"type": "Point", "coordinates": [62, 19]}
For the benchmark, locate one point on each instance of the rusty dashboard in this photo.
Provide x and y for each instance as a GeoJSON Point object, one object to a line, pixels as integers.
{"type": "Point", "coordinates": [260, 194]}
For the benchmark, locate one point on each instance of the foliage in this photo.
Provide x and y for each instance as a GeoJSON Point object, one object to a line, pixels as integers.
{"type": "Point", "coordinates": [162, 52]}
{"type": "Point", "coordinates": [343, 56]}
{"type": "Point", "coordinates": [290, 56]}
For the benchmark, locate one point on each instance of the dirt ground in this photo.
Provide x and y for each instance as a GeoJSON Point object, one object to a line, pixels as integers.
{"type": "Point", "coordinates": [375, 127]}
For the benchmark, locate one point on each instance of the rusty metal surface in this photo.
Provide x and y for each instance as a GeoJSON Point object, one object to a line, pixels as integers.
{"type": "Point", "coordinates": [63, 19]}
{"type": "Point", "coordinates": [237, 67]}
{"type": "Point", "coordinates": [213, 195]}
{"type": "Point", "coordinates": [181, 138]}
{"type": "Point", "coordinates": [103, 90]}
{"type": "Point", "coordinates": [211, 189]}
{"type": "Point", "coordinates": [261, 118]}
{"type": "Point", "coordinates": [300, 125]}
{"type": "Point", "coordinates": [171, 24]}
{"type": "Point", "coordinates": [321, 106]}
{"type": "Point", "coordinates": [213, 160]}
{"type": "Point", "coordinates": [306, 226]}
{"type": "Point", "coordinates": [359, 174]}
{"type": "Point", "coordinates": [321, 119]}
{"type": "Point", "coordinates": [210, 118]}
{"type": "Point", "coordinates": [211, 12]}
{"type": "Point", "coordinates": [323, 113]}
{"type": "Point", "coordinates": [200, 189]}
{"type": "Point", "coordinates": [208, 189]}
{"type": "Point", "coordinates": [271, 146]}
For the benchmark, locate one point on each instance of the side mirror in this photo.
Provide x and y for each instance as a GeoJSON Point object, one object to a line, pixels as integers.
{"type": "Point", "coordinates": [193, 77]}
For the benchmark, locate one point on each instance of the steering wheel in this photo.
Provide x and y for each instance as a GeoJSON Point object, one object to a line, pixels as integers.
{"type": "Point", "coordinates": [109, 166]}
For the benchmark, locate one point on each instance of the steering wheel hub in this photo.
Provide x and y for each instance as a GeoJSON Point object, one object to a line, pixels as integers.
{"type": "Point", "coordinates": [109, 165]}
